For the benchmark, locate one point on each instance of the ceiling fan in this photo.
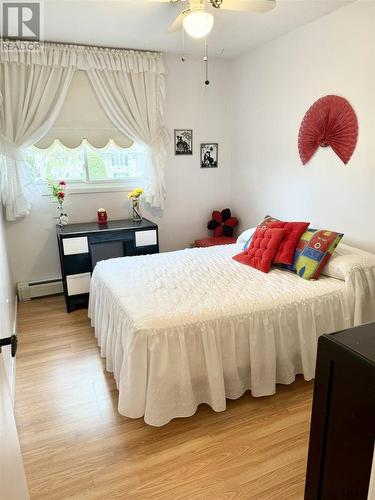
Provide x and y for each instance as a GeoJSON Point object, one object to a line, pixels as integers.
{"type": "Point", "coordinates": [197, 21]}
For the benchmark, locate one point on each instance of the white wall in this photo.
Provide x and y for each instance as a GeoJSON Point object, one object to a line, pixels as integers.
{"type": "Point", "coordinates": [273, 87]}
{"type": "Point", "coordinates": [253, 109]}
{"type": "Point", "coordinates": [192, 192]}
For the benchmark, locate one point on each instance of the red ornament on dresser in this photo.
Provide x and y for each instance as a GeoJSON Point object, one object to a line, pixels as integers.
{"type": "Point", "coordinates": [330, 121]}
{"type": "Point", "coordinates": [102, 216]}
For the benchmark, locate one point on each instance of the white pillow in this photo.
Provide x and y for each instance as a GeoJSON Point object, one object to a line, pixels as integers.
{"type": "Point", "coordinates": [243, 237]}
{"type": "Point", "coordinates": [344, 258]}
{"type": "Point", "coordinates": [344, 249]}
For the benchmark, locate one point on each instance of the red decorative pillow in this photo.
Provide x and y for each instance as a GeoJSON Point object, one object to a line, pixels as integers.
{"type": "Point", "coordinates": [263, 248]}
{"type": "Point", "coordinates": [294, 231]}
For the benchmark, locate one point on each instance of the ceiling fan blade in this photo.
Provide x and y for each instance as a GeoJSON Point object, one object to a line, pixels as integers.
{"type": "Point", "coordinates": [248, 5]}
{"type": "Point", "coordinates": [168, 1]}
{"type": "Point", "coordinates": [177, 23]}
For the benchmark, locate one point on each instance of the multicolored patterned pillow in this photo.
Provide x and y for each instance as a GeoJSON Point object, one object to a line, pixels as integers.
{"type": "Point", "coordinates": [313, 251]}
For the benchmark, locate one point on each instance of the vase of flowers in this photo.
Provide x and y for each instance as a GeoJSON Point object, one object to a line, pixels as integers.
{"type": "Point", "coordinates": [58, 193]}
{"type": "Point", "coordinates": [135, 197]}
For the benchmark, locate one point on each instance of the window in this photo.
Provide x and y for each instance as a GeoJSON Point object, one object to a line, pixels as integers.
{"type": "Point", "coordinates": [86, 164]}
{"type": "Point", "coordinates": [84, 148]}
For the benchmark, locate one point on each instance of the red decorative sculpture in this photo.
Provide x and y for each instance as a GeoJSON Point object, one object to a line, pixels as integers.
{"type": "Point", "coordinates": [331, 121]}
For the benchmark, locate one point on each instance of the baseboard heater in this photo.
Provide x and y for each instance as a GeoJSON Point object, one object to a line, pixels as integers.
{"type": "Point", "coordinates": [33, 289]}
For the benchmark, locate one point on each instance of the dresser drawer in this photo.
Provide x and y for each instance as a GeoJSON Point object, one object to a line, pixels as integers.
{"type": "Point", "coordinates": [78, 283]}
{"type": "Point", "coordinates": [77, 264]}
{"type": "Point", "coordinates": [83, 244]}
{"type": "Point", "coordinates": [146, 238]}
{"type": "Point", "coordinates": [73, 246]}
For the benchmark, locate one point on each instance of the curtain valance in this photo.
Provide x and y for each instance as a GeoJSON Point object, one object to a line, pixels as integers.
{"type": "Point", "coordinates": [85, 58]}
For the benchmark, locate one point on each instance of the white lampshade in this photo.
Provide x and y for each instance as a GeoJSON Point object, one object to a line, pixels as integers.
{"type": "Point", "coordinates": [198, 24]}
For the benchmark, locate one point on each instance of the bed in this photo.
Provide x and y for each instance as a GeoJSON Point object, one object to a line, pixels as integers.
{"type": "Point", "coordinates": [194, 326]}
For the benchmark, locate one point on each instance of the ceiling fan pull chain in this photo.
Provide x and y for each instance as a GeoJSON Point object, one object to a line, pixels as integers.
{"type": "Point", "coordinates": [183, 57]}
{"type": "Point", "coordinates": [205, 59]}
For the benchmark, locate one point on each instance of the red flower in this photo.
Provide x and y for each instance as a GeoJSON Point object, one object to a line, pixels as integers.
{"type": "Point", "coordinates": [60, 195]}
{"type": "Point", "coordinates": [62, 183]}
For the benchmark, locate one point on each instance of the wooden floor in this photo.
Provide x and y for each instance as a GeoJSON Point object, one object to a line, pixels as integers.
{"type": "Point", "coordinates": [76, 445]}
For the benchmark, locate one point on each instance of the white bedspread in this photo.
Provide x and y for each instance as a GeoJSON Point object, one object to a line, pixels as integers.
{"type": "Point", "coordinates": [189, 327]}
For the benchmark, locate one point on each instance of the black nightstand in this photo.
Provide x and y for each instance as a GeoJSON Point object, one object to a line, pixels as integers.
{"type": "Point", "coordinates": [82, 245]}
{"type": "Point", "coordinates": [343, 416]}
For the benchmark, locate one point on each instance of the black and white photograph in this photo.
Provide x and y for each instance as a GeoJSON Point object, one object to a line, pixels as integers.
{"type": "Point", "coordinates": [183, 141]}
{"type": "Point", "coordinates": [209, 153]}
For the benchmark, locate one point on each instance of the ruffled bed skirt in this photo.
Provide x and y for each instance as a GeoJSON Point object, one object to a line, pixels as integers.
{"type": "Point", "coordinates": [165, 373]}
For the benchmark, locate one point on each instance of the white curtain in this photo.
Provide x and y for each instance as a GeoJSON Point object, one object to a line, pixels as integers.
{"type": "Point", "coordinates": [133, 102]}
{"type": "Point", "coordinates": [129, 86]}
{"type": "Point", "coordinates": [32, 98]}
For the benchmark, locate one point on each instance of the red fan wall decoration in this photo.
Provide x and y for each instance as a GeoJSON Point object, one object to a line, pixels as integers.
{"type": "Point", "coordinates": [331, 121]}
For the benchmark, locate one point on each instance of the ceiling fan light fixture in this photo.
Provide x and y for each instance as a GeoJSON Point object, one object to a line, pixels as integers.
{"type": "Point", "coordinates": [198, 24]}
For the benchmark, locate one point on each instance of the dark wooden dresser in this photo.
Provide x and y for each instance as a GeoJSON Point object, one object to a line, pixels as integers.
{"type": "Point", "coordinates": [343, 417]}
{"type": "Point", "coordinates": [82, 245]}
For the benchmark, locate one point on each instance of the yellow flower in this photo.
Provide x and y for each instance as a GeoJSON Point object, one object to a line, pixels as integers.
{"type": "Point", "coordinates": [136, 193]}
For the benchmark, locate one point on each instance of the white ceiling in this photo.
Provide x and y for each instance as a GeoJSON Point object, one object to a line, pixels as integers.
{"type": "Point", "coordinates": [140, 24]}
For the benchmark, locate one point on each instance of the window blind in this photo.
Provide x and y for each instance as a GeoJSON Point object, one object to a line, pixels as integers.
{"type": "Point", "coordinates": [82, 117]}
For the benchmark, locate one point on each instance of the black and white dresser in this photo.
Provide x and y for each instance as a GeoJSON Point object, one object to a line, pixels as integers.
{"type": "Point", "coordinates": [82, 245]}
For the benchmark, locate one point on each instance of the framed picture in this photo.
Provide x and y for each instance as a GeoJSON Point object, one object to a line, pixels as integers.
{"type": "Point", "coordinates": [183, 142]}
{"type": "Point", "coordinates": [209, 155]}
